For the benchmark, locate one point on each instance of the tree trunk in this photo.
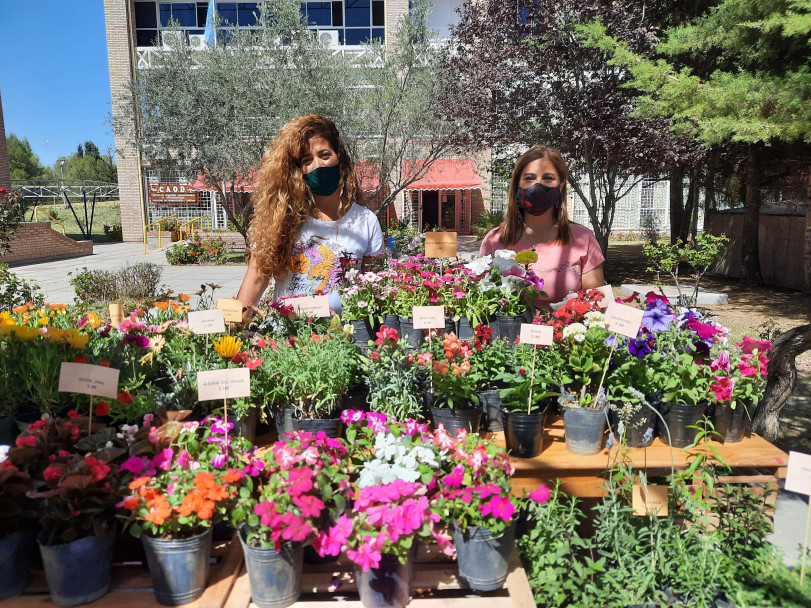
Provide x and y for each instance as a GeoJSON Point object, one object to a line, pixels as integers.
{"type": "Point", "coordinates": [781, 380]}
{"type": "Point", "coordinates": [676, 203]}
{"type": "Point", "coordinates": [690, 208]}
{"type": "Point", "coordinates": [750, 257]}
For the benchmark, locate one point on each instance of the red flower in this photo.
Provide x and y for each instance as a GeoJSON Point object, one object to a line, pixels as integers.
{"type": "Point", "coordinates": [73, 414]}
{"type": "Point", "coordinates": [29, 441]}
{"type": "Point", "coordinates": [374, 356]}
{"type": "Point", "coordinates": [102, 409]}
{"type": "Point", "coordinates": [125, 397]}
{"type": "Point", "coordinates": [104, 363]}
{"type": "Point", "coordinates": [80, 359]}
{"type": "Point", "coordinates": [51, 474]}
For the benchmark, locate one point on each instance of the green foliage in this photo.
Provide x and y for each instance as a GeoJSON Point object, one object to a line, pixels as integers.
{"type": "Point", "coordinates": [24, 164]}
{"type": "Point", "coordinates": [525, 391]}
{"type": "Point", "coordinates": [206, 251]}
{"type": "Point", "coordinates": [89, 164]}
{"type": "Point", "coordinates": [15, 291]}
{"type": "Point", "coordinates": [114, 232]}
{"type": "Point", "coordinates": [489, 219]}
{"type": "Point", "coordinates": [396, 385]}
{"type": "Point", "coordinates": [139, 281]}
{"type": "Point", "coordinates": [686, 383]}
{"type": "Point", "coordinates": [407, 240]}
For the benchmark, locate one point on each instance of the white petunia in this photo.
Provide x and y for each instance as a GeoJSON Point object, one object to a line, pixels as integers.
{"type": "Point", "coordinates": [480, 265]}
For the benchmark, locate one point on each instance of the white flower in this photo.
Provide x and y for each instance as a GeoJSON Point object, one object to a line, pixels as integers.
{"type": "Point", "coordinates": [349, 329]}
{"type": "Point", "coordinates": [576, 331]}
{"type": "Point", "coordinates": [4, 452]}
{"type": "Point", "coordinates": [480, 265]}
{"type": "Point", "coordinates": [594, 318]}
{"type": "Point", "coordinates": [362, 304]}
{"type": "Point", "coordinates": [484, 286]}
{"type": "Point", "coordinates": [504, 254]}
{"type": "Point", "coordinates": [511, 283]}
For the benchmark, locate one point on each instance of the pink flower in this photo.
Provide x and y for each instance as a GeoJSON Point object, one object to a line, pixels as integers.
{"type": "Point", "coordinates": [454, 478]}
{"type": "Point", "coordinates": [134, 464]}
{"type": "Point", "coordinates": [377, 422]}
{"type": "Point", "coordinates": [266, 511]}
{"type": "Point", "coordinates": [540, 494]}
{"type": "Point", "coordinates": [749, 346]}
{"type": "Point", "coordinates": [297, 530]}
{"type": "Point", "coordinates": [499, 507]}
{"type": "Point", "coordinates": [162, 460]}
{"type": "Point", "coordinates": [253, 363]}
{"type": "Point", "coordinates": [721, 363]}
{"type": "Point", "coordinates": [299, 481]}
{"type": "Point", "coordinates": [350, 416]}
{"type": "Point", "coordinates": [722, 387]}
{"type": "Point", "coordinates": [285, 456]}
{"type": "Point", "coordinates": [310, 505]}
{"type": "Point", "coordinates": [443, 439]}
{"type": "Point", "coordinates": [366, 556]}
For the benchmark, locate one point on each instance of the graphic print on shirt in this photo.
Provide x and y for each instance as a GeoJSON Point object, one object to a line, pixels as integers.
{"type": "Point", "coordinates": [315, 267]}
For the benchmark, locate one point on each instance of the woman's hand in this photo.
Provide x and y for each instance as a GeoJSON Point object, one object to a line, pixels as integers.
{"type": "Point", "coordinates": [252, 288]}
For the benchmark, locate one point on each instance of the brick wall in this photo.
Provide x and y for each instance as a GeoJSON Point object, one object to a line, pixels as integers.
{"type": "Point", "coordinates": [234, 240]}
{"type": "Point", "coordinates": [394, 10]}
{"type": "Point", "coordinates": [5, 173]}
{"type": "Point", "coordinates": [120, 23]}
{"type": "Point", "coordinates": [38, 242]}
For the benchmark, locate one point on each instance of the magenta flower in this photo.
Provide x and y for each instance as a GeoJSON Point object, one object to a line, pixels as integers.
{"type": "Point", "coordinates": [299, 481]}
{"type": "Point", "coordinates": [367, 557]}
{"type": "Point", "coordinates": [540, 494]}
{"type": "Point", "coordinates": [454, 478]}
{"type": "Point", "coordinates": [499, 507]}
{"type": "Point", "coordinates": [722, 387]}
{"type": "Point", "coordinates": [162, 460]}
{"type": "Point", "coordinates": [134, 464]}
{"type": "Point", "coordinates": [310, 505]}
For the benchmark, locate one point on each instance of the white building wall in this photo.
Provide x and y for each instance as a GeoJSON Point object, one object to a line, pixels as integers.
{"type": "Point", "coordinates": [443, 16]}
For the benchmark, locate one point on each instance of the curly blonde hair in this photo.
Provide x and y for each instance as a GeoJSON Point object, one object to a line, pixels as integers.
{"type": "Point", "coordinates": [283, 202]}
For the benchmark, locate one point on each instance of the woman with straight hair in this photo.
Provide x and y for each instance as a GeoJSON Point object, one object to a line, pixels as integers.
{"type": "Point", "coordinates": [310, 218]}
{"type": "Point", "coordinates": [569, 257]}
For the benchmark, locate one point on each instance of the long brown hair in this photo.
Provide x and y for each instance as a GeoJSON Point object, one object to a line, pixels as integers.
{"type": "Point", "coordinates": [283, 202]}
{"type": "Point", "coordinates": [512, 227]}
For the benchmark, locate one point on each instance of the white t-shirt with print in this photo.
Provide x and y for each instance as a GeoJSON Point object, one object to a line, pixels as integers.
{"type": "Point", "coordinates": [319, 247]}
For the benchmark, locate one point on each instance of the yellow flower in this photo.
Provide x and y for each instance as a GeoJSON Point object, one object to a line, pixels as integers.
{"type": "Point", "coordinates": [93, 321]}
{"type": "Point", "coordinates": [53, 334]}
{"type": "Point", "coordinates": [24, 332]}
{"type": "Point", "coordinates": [74, 338]}
{"type": "Point", "coordinates": [227, 347]}
{"type": "Point", "coordinates": [44, 320]}
{"type": "Point", "coordinates": [526, 257]}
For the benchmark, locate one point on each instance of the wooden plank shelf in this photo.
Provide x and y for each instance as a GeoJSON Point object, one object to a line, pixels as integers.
{"type": "Point", "coordinates": [435, 583]}
{"type": "Point", "coordinates": [131, 585]}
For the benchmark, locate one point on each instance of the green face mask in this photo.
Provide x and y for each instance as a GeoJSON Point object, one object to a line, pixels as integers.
{"type": "Point", "coordinates": [323, 181]}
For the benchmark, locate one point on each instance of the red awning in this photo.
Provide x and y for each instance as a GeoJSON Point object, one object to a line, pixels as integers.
{"type": "Point", "coordinates": [246, 184]}
{"type": "Point", "coordinates": [445, 174]}
{"type": "Point", "coordinates": [369, 175]}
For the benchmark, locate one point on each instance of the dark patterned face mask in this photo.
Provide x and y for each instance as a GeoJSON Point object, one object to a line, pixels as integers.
{"type": "Point", "coordinates": [323, 181]}
{"type": "Point", "coordinates": [538, 199]}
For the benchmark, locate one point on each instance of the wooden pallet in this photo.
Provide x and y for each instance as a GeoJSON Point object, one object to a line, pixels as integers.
{"type": "Point", "coordinates": [434, 584]}
{"type": "Point", "coordinates": [131, 585]}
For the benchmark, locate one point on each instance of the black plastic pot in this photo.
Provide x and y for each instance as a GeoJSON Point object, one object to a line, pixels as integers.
{"type": "Point", "coordinates": [584, 430]}
{"type": "Point", "coordinates": [330, 426]}
{"type": "Point", "coordinates": [363, 332]}
{"type": "Point", "coordinates": [17, 553]}
{"type": "Point", "coordinates": [491, 410]}
{"type": "Point", "coordinates": [524, 432]}
{"type": "Point", "coordinates": [27, 415]}
{"type": "Point", "coordinates": [78, 572]}
{"type": "Point", "coordinates": [179, 567]}
{"type": "Point", "coordinates": [457, 418]}
{"type": "Point", "coordinates": [275, 578]}
{"type": "Point", "coordinates": [464, 329]}
{"type": "Point", "coordinates": [392, 321]}
{"type": "Point", "coordinates": [8, 431]}
{"type": "Point", "coordinates": [640, 428]}
{"type": "Point", "coordinates": [387, 586]}
{"type": "Point", "coordinates": [678, 419]}
{"type": "Point", "coordinates": [407, 331]}
{"type": "Point", "coordinates": [731, 424]}
{"type": "Point", "coordinates": [283, 417]}
{"type": "Point", "coordinates": [509, 327]}
{"type": "Point", "coordinates": [245, 426]}
{"type": "Point", "coordinates": [483, 559]}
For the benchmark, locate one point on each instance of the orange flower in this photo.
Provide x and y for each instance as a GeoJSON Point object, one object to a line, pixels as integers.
{"type": "Point", "coordinates": [184, 297]}
{"type": "Point", "coordinates": [104, 363]}
{"type": "Point", "coordinates": [139, 482]}
{"type": "Point", "coordinates": [232, 476]}
{"type": "Point", "coordinates": [130, 502]}
{"type": "Point", "coordinates": [162, 305]}
{"type": "Point", "coordinates": [19, 309]}
{"type": "Point", "coordinates": [159, 510]}
{"type": "Point", "coordinates": [441, 368]}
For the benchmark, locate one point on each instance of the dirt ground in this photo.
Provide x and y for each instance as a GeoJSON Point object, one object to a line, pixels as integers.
{"type": "Point", "coordinates": [749, 309]}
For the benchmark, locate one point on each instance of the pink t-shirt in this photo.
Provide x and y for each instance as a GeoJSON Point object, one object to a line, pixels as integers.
{"type": "Point", "coordinates": [560, 266]}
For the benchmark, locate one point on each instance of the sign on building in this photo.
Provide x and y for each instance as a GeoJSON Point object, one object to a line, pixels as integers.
{"type": "Point", "coordinates": [172, 194]}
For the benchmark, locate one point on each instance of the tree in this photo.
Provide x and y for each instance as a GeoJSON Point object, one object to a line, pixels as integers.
{"type": "Point", "coordinates": [736, 76]}
{"type": "Point", "coordinates": [24, 164]}
{"type": "Point", "coordinates": [519, 74]}
{"type": "Point", "coordinates": [88, 164]}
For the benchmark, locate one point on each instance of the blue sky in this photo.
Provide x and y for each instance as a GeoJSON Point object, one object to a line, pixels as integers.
{"type": "Point", "coordinates": [54, 77]}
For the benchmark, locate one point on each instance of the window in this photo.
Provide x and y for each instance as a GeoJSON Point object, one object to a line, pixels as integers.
{"type": "Point", "coordinates": [152, 17]}
{"type": "Point", "coordinates": [646, 204]}
{"type": "Point", "coordinates": [356, 21]}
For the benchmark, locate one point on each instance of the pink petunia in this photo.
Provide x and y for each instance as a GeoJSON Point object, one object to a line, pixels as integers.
{"type": "Point", "coordinates": [540, 494]}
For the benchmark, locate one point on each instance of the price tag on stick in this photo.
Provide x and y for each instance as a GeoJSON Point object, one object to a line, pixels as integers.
{"type": "Point", "coordinates": [428, 317]}
{"type": "Point", "coordinates": [223, 384]}
{"type": "Point", "coordinates": [116, 314]}
{"type": "Point", "coordinates": [310, 306]}
{"type": "Point", "coordinates": [88, 379]}
{"type": "Point", "coordinates": [440, 245]}
{"type": "Point", "coordinates": [622, 319]}
{"type": "Point", "coordinates": [207, 321]}
{"type": "Point", "coordinates": [650, 500]}
{"type": "Point", "coordinates": [539, 335]}
{"type": "Point", "coordinates": [231, 309]}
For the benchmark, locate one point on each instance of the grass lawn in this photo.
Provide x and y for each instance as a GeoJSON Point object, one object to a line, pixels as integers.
{"type": "Point", "coordinates": [107, 212]}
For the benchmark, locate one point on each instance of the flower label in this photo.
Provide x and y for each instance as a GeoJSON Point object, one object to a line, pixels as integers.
{"type": "Point", "coordinates": [88, 379]}
{"type": "Point", "coordinates": [798, 477]}
{"type": "Point", "coordinates": [428, 317]}
{"type": "Point", "coordinates": [440, 245]}
{"type": "Point", "coordinates": [609, 293]}
{"type": "Point", "coordinates": [310, 306]}
{"type": "Point", "coordinates": [116, 314]}
{"type": "Point", "coordinates": [207, 321]}
{"type": "Point", "coordinates": [622, 319]}
{"type": "Point", "coordinates": [231, 309]}
{"type": "Point", "coordinates": [650, 500]}
{"type": "Point", "coordinates": [539, 335]}
{"type": "Point", "coordinates": [223, 384]}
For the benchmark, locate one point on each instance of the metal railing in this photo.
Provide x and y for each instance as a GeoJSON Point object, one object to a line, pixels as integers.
{"type": "Point", "coordinates": [187, 227]}
{"type": "Point", "coordinates": [38, 210]}
{"type": "Point", "coordinates": [55, 188]}
{"type": "Point", "coordinates": [160, 231]}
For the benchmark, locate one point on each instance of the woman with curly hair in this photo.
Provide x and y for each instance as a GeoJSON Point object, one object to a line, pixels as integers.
{"type": "Point", "coordinates": [569, 257]}
{"type": "Point", "coordinates": [309, 216]}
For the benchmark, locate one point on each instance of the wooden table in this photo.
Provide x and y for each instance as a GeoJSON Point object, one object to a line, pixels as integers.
{"type": "Point", "coordinates": [754, 460]}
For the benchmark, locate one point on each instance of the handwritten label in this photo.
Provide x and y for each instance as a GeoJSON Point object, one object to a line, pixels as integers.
{"type": "Point", "coordinates": [428, 317]}
{"type": "Point", "coordinates": [623, 319]}
{"type": "Point", "coordinates": [207, 321]}
{"type": "Point", "coordinates": [88, 379]}
{"type": "Point", "coordinates": [223, 384]}
{"type": "Point", "coordinates": [231, 309]}
{"type": "Point", "coordinates": [609, 293]}
{"type": "Point", "coordinates": [798, 476]}
{"type": "Point", "coordinates": [650, 500]}
{"type": "Point", "coordinates": [536, 334]}
{"type": "Point", "coordinates": [116, 314]}
{"type": "Point", "coordinates": [310, 306]}
{"type": "Point", "coordinates": [440, 244]}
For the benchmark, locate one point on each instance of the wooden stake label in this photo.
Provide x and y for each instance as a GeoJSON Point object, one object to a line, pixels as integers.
{"type": "Point", "coordinates": [440, 245]}
{"type": "Point", "coordinates": [428, 317]}
{"type": "Point", "coordinates": [622, 319]}
{"type": "Point", "coordinates": [223, 384]}
{"type": "Point", "coordinates": [207, 321]}
{"type": "Point", "coordinates": [116, 314]}
{"type": "Point", "coordinates": [540, 335]}
{"type": "Point", "coordinates": [88, 379]}
{"type": "Point", "coordinates": [310, 306]}
{"type": "Point", "coordinates": [798, 475]}
{"type": "Point", "coordinates": [231, 309]}
{"type": "Point", "coordinates": [650, 500]}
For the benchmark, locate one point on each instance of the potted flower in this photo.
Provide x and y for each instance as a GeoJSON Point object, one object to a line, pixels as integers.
{"type": "Point", "coordinates": [738, 383]}
{"type": "Point", "coordinates": [453, 398]}
{"type": "Point", "coordinates": [360, 304]}
{"type": "Point", "coordinates": [474, 498]}
{"type": "Point", "coordinates": [489, 357]}
{"type": "Point", "coordinates": [294, 490]}
{"type": "Point", "coordinates": [525, 398]}
{"type": "Point", "coordinates": [395, 384]}
{"type": "Point", "coordinates": [18, 514]}
{"type": "Point", "coordinates": [685, 398]}
{"type": "Point", "coordinates": [175, 496]}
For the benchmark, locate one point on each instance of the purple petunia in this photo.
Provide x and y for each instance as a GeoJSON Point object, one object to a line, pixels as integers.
{"type": "Point", "coordinates": [657, 317]}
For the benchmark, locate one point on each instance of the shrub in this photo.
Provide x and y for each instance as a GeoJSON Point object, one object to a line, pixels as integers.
{"type": "Point", "coordinates": [487, 221]}
{"type": "Point", "coordinates": [114, 232]}
{"type": "Point", "coordinates": [136, 281]}
{"type": "Point", "coordinates": [205, 251]}
{"type": "Point", "coordinates": [15, 291]}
